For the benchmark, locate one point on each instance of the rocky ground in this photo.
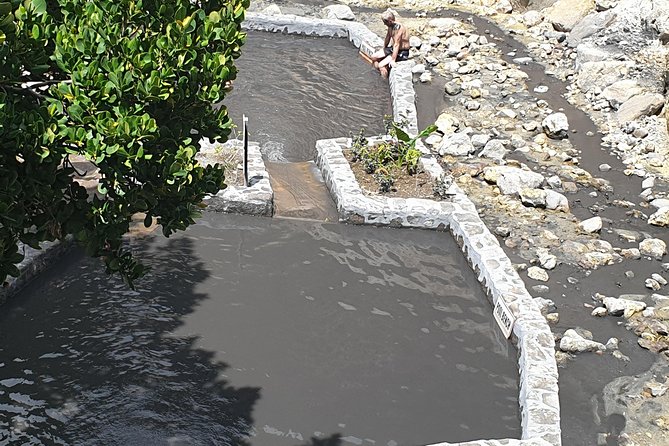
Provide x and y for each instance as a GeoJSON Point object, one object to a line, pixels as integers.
{"type": "Point", "coordinates": [553, 120]}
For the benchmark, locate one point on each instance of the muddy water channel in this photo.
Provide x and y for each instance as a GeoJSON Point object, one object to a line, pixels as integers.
{"type": "Point", "coordinates": [296, 90]}
{"type": "Point", "coordinates": [260, 332]}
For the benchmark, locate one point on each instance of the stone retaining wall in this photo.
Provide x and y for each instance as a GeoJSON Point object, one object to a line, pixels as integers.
{"type": "Point", "coordinates": [538, 398]}
{"type": "Point", "coordinates": [256, 199]}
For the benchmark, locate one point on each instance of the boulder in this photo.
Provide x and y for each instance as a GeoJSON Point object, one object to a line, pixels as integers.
{"type": "Point", "coordinates": [556, 201]}
{"type": "Point", "coordinates": [644, 104]}
{"type": "Point", "coordinates": [536, 273]}
{"type": "Point", "coordinates": [556, 125]}
{"type": "Point", "coordinates": [591, 225]}
{"type": "Point", "coordinates": [444, 25]}
{"type": "Point", "coordinates": [455, 44]}
{"type": "Point", "coordinates": [511, 180]}
{"type": "Point", "coordinates": [660, 218]}
{"type": "Point", "coordinates": [415, 42]}
{"type": "Point", "coordinates": [272, 10]}
{"type": "Point", "coordinates": [573, 342]}
{"type": "Point", "coordinates": [447, 123]}
{"type": "Point", "coordinates": [623, 307]}
{"type": "Point", "coordinates": [532, 18]}
{"type": "Point", "coordinates": [593, 75]}
{"type": "Point", "coordinates": [456, 144]}
{"type": "Point", "coordinates": [591, 24]}
{"type": "Point", "coordinates": [565, 14]}
{"type": "Point", "coordinates": [621, 91]}
{"type": "Point", "coordinates": [340, 12]}
{"type": "Point", "coordinates": [533, 197]}
{"type": "Point", "coordinates": [653, 247]}
{"type": "Point", "coordinates": [494, 149]}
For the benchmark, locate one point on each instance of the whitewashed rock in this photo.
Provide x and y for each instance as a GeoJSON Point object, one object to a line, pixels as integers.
{"type": "Point", "coordinates": [456, 144]}
{"type": "Point", "coordinates": [648, 183]}
{"type": "Point", "coordinates": [556, 125]}
{"type": "Point", "coordinates": [623, 307]}
{"type": "Point", "coordinates": [573, 342]}
{"type": "Point", "coordinates": [653, 247]}
{"type": "Point", "coordinates": [339, 12]}
{"type": "Point", "coordinates": [660, 217]}
{"type": "Point", "coordinates": [591, 225]}
{"type": "Point", "coordinates": [532, 18]}
{"type": "Point", "coordinates": [565, 14]}
{"type": "Point", "coordinates": [621, 91]}
{"type": "Point", "coordinates": [644, 104]}
{"type": "Point", "coordinates": [556, 201]}
{"type": "Point", "coordinates": [447, 123]}
{"type": "Point", "coordinates": [554, 181]}
{"type": "Point", "coordinates": [536, 273]}
{"type": "Point", "coordinates": [494, 149]}
{"type": "Point", "coordinates": [660, 203]}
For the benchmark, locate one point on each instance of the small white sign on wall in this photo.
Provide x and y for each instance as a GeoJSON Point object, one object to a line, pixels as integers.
{"type": "Point", "coordinates": [504, 317]}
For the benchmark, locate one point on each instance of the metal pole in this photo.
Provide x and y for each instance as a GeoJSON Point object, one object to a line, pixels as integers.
{"type": "Point", "coordinates": [245, 132]}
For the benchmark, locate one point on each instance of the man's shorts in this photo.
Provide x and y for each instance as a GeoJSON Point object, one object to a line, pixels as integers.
{"type": "Point", "coordinates": [402, 55]}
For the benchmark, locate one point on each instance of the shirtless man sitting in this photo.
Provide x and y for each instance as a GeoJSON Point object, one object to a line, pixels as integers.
{"type": "Point", "coordinates": [395, 52]}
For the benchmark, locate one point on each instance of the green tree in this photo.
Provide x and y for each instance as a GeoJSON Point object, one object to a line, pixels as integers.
{"type": "Point", "coordinates": [128, 84]}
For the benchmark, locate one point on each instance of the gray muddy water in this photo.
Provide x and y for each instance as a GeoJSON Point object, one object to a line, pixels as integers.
{"type": "Point", "coordinates": [297, 90]}
{"type": "Point", "coordinates": [256, 332]}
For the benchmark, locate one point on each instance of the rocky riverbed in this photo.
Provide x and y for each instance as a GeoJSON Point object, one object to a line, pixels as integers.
{"type": "Point", "coordinates": [552, 116]}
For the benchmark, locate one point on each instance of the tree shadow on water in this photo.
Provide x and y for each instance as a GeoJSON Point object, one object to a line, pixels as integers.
{"type": "Point", "coordinates": [90, 361]}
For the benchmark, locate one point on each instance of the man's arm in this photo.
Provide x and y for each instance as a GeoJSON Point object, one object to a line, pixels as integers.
{"type": "Point", "coordinates": [386, 41]}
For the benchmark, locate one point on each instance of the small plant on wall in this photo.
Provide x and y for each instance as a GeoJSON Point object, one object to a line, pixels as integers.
{"type": "Point", "coordinates": [389, 158]}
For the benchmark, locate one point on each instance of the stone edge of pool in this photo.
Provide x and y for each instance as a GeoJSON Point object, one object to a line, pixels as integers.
{"type": "Point", "coordinates": [538, 398]}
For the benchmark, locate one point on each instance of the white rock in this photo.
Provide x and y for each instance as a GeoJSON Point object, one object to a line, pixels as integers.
{"type": "Point", "coordinates": [660, 203]}
{"type": "Point", "coordinates": [659, 279]}
{"type": "Point", "coordinates": [556, 201]}
{"type": "Point", "coordinates": [503, 6]}
{"type": "Point", "coordinates": [447, 123]}
{"type": "Point", "coordinates": [621, 91]}
{"type": "Point", "coordinates": [456, 144]}
{"type": "Point", "coordinates": [573, 342]}
{"type": "Point", "coordinates": [480, 140]}
{"type": "Point", "coordinates": [548, 261]}
{"type": "Point", "coordinates": [644, 104]}
{"type": "Point", "coordinates": [533, 197]}
{"type": "Point", "coordinates": [660, 217]}
{"type": "Point", "coordinates": [415, 42]}
{"type": "Point", "coordinates": [272, 10]}
{"type": "Point", "coordinates": [511, 180]}
{"type": "Point", "coordinates": [653, 247]}
{"type": "Point", "coordinates": [419, 68]}
{"type": "Point", "coordinates": [536, 273]}
{"type": "Point", "coordinates": [556, 125]}
{"type": "Point", "coordinates": [433, 139]}
{"type": "Point", "coordinates": [599, 312]}
{"type": "Point", "coordinates": [340, 12]}
{"type": "Point", "coordinates": [532, 18]}
{"type": "Point", "coordinates": [652, 284]}
{"type": "Point", "coordinates": [623, 307]}
{"type": "Point", "coordinates": [565, 14]}
{"type": "Point", "coordinates": [425, 77]}
{"type": "Point", "coordinates": [494, 149]}
{"type": "Point", "coordinates": [591, 225]}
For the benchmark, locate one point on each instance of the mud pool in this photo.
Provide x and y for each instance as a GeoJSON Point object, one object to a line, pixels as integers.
{"type": "Point", "coordinates": [260, 332]}
{"type": "Point", "coordinates": [296, 90]}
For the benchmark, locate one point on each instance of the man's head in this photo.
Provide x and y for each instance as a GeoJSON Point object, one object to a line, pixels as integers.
{"type": "Point", "coordinates": [388, 18]}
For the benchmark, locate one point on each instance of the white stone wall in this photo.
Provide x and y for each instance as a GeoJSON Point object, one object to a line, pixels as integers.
{"type": "Point", "coordinates": [538, 398]}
